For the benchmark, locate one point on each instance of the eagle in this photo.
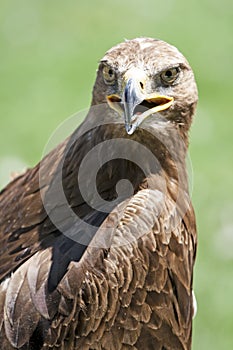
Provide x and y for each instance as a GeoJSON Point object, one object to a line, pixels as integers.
{"type": "Point", "coordinates": [98, 241]}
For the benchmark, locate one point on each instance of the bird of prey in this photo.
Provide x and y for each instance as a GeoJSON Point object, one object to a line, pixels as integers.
{"type": "Point", "coordinates": [105, 261]}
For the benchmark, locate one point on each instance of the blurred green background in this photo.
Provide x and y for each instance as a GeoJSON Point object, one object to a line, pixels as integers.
{"type": "Point", "coordinates": [49, 52]}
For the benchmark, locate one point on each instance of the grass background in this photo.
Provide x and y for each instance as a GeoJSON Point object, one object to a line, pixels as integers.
{"type": "Point", "coordinates": [49, 52]}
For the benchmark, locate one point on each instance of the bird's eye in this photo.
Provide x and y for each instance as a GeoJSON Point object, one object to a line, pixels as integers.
{"type": "Point", "coordinates": [109, 75]}
{"type": "Point", "coordinates": [170, 75]}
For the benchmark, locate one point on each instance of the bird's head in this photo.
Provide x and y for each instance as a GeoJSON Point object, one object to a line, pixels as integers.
{"type": "Point", "coordinates": [146, 80]}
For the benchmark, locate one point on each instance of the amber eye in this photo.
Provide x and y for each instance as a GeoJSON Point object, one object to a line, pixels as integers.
{"type": "Point", "coordinates": [109, 75]}
{"type": "Point", "coordinates": [170, 75]}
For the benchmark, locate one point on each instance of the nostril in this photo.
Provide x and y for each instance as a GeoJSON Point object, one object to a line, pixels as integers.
{"type": "Point", "coordinates": [141, 84]}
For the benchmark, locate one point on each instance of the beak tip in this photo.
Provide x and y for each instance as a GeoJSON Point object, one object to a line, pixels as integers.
{"type": "Point", "coordinates": [130, 129]}
{"type": "Point", "coordinates": [127, 128]}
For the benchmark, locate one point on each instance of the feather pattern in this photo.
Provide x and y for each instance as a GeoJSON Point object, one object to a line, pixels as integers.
{"type": "Point", "coordinates": [127, 284]}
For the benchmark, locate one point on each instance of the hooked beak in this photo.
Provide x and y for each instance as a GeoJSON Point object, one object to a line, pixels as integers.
{"type": "Point", "coordinates": [136, 106]}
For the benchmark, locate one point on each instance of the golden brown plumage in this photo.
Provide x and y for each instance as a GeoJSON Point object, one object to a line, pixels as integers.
{"type": "Point", "coordinates": [115, 273]}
